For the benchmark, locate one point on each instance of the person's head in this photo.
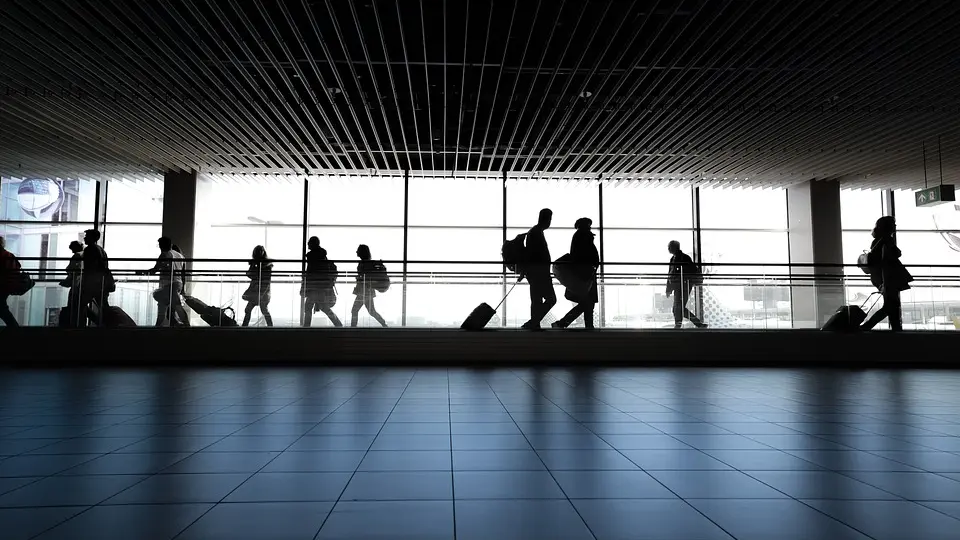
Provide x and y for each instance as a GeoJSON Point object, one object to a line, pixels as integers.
{"type": "Point", "coordinates": [259, 253]}
{"type": "Point", "coordinates": [546, 216]}
{"type": "Point", "coordinates": [583, 224]}
{"type": "Point", "coordinates": [91, 236]}
{"type": "Point", "coordinates": [673, 247]}
{"type": "Point", "coordinates": [363, 251]}
{"type": "Point", "coordinates": [76, 247]}
{"type": "Point", "coordinates": [313, 243]}
{"type": "Point", "coordinates": [165, 243]}
{"type": "Point", "coordinates": [885, 227]}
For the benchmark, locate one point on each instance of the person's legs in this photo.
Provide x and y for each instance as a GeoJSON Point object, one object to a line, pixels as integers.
{"type": "Point", "coordinates": [163, 310]}
{"type": "Point", "coordinates": [536, 301]}
{"type": "Point", "coordinates": [355, 310]}
{"type": "Point", "coordinates": [5, 314]}
{"type": "Point", "coordinates": [542, 297]}
{"type": "Point", "coordinates": [247, 311]}
{"type": "Point", "coordinates": [266, 313]}
{"type": "Point", "coordinates": [307, 313]}
{"type": "Point", "coordinates": [588, 316]}
{"type": "Point", "coordinates": [891, 303]}
{"type": "Point", "coordinates": [181, 314]}
{"type": "Point", "coordinates": [678, 308]}
{"type": "Point", "coordinates": [571, 316]}
{"type": "Point", "coordinates": [686, 312]}
{"type": "Point", "coordinates": [372, 310]}
{"type": "Point", "coordinates": [332, 316]}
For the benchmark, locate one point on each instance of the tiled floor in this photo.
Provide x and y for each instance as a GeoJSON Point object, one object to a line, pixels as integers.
{"type": "Point", "coordinates": [637, 454]}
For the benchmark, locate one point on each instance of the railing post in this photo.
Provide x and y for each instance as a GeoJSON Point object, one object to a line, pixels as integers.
{"type": "Point", "coordinates": [305, 228]}
{"type": "Point", "coordinates": [406, 226]}
{"type": "Point", "coordinates": [503, 286]}
{"type": "Point", "coordinates": [602, 285]}
{"type": "Point", "coordinates": [697, 243]}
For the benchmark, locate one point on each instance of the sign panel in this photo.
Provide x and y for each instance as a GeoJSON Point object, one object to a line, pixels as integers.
{"type": "Point", "coordinates": [935, 195]}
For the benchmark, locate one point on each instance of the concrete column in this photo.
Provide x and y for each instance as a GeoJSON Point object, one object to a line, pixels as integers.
{"type": "Point", "coordinates": [815, 236]}
{"type": "Point", "coordinates": [179, 210]}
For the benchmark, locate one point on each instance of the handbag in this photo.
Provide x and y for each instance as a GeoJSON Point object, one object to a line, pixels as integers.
{"type": "Point", "coordinates": [863, 262]}
{"type": "Point", "coordinates": [21, 284]}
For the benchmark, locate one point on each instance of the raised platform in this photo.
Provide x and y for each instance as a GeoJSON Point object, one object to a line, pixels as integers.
{"type": "Point", "coordinates": [271, 346]}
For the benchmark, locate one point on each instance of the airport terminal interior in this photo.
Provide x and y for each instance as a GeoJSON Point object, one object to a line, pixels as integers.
{"type": "Point", "coordinates": [263, 272]}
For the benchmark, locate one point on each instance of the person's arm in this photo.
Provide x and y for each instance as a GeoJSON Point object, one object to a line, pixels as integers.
{"type": "Point", "coordinates": [671, 275]}
{"type": "Point", "coordinates": [156, 267]}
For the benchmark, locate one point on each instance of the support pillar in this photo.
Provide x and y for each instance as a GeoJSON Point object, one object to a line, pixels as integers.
{"type": "Point", "coordinates": [179, 210]}
{"type": "Point", "coordinates": [816, 252]}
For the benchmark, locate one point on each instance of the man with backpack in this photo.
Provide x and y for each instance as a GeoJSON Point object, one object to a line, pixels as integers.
{"type": "Point", "coordinates": [318, 284]}
{"type": "Point", "coordinates": [536, 268]}
{"type": "Point", "coordinates": [684, 274]}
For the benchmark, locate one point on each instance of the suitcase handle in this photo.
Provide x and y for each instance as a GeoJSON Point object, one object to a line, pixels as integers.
{"type": "Point", "coordinates": [868, 299]}
{"type": "Point", "coordinates": [508, 294]}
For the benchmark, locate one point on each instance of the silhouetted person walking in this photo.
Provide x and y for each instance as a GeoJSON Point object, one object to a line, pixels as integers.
{"type": "Point", "coordinates": [364, 288]}
{"type": "Point", "coordinates": [96, 282]}
{"type": "Point", "coordinates": [170, 267]}
{"type": "Point", "coordinates": [9, 273]}
{"type": "Point", "coordinates": [319, 280]}
{"type": "Point", "coordinates": [537, 271]}
{"type": "Point", "coordinates": [584, 259]}
{"type": "Point", "coordinates": [681, 278]}
{"type": "Point", "coordinates": [260, 274]}
{"type": "Point", "coordinates": [74, 272]}
{"type": "Point", "coordinates": [887, 274]}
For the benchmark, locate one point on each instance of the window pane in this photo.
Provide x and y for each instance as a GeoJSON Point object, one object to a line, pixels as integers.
{"type": "Point", "coordinates": [568, 201]}
{"type": "Point", "coordinates": [134, 294]}
{"type": "Point", "coordinates": [456, 201]}
{"type": "Point", "coordinates": [743, 208]}
{"type": "Point", "coordinates": [640, 207]}
{"type": "Point", "coordinates": [135, 202]}
{"type": "Point", "coordinates": [854, 244]}
{"type": "Point", "coordinates": [859, 209]}
{"type": "Point", "coordinates": [47, 200]}
{"type": "Point", "coordinates": [945, 216]}
{"type": "Point", "coordinates": [738, 292]}
{"type": "Point", "coordinates": [367, 200]}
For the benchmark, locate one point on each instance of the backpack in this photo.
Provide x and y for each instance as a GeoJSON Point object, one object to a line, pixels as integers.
{"type": "Point", "coordinates": [378, 277]}
{"type": "Point", "coordinates": [514, 252]}
{"type": "Point", "coordinates": [329, 274]}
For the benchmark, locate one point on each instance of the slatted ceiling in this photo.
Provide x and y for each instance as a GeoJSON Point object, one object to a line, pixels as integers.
{"type": "Point", "coordinates": [768, 93]}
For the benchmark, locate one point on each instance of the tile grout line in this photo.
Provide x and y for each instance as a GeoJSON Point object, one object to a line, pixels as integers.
{"type": "Point", "coordinates": [453, 477]}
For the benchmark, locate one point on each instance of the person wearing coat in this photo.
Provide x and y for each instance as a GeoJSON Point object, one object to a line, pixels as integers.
{"type": "Point", "coordinates": [585, 260]}
{"type": "Point", "coordinates": [887, 274]}
{"type": "Point", "coordinates": [260, 274]}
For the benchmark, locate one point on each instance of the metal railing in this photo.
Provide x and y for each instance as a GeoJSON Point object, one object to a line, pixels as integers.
{"type": "Point", "coordinates": [631, 294]}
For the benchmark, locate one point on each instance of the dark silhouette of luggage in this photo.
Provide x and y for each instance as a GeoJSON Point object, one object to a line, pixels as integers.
{"type": "Point", "coordinates": [378, 277]}
{"type": "Point", "coordinates": [214, 316]}
{"type": "Point", "coordinates": [111, 317]}
{"type": "Point", "coordinates": [848, 318]}
{"type": "Point", "coordinates": [514, 253]}
{"type": "Point", "coordinates": [482, 314]}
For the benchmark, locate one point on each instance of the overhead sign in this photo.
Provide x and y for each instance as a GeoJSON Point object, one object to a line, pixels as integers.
{"type": "Point", "coordinates": [935, 195]}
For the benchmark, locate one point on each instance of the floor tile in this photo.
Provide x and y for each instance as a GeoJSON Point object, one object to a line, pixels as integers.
{"type": "Point", "coordinates": [891, 520]}
{"type": "Point", "coordinates": [939, 462]}
{"type": "Point", "coordinates": [315, 443]}
{"type": "Point", "coordinates": [505, 485]}
{"type": "Point", "coordinates": [20, 466]}
{"type": "Point", "coordinates": [180, 488]}
{"type": "Point", "coordinates": [485, 428]}
{"type": "Point", "coordinates": [236, 443]}
{"type": "Point", "coordinates": [412, 442]}
{"type": "Point", "coordinates": [610, 485]}
{"type": "Point", "coordinates": [519, 520]}
{"type": "Point", "coordinates": [170, 444]}
{"type": "Point", "coordinates": [821, 485]}
{"type": "Point", "coordinates": [688, 428]}
{"type": "Point", "coordinates": [674, 460]}
{"type": "Point", "coordinates": [497, 460]}
{"type": "Point", "coordinates": [649, 519]}
{"type": "Point", "coordinates": [914, 486]}
{"type": "Point", "coordinates": [585, 460]}
{"type": "Point", "coordinates": [797, 442]}
{"type": "Point", "coordinates": [320, 461]}
{"type": "Point", "coordinates": [290, 487]}
{"type": "Point", "coordinates": [99, 445]}
{"type": "Point", "coordinates": [143, 464]}
{"type": "Point", "coordinates": [125, 522]}
{"type": "Point", "coordinates": [715, 485]}
{"type": "Point", "coordinates": [490, 442]}
{"type": "Point", "coordinates": [407, 460]}
{"type": "Point", "coordinates": [645, 442]}
{"type": "Point", "coordinates": [221, 462]}
{"type": "Point", "coordinates": [68, 491]}
{"type": "Point", "coordinates": [394, 486]}
{"type": "Point", "coordinates": [762, 460]}
{"type": "Point", "coordinates": [721, 442]}
{"type": "Point", "coordinates": [949, 508]}
{"type": "Point", "coordinates": [27, 523]}
{"type": "Point", "coordinates": [397, 520]}
{"type": "Point", "coordinates": [10, 484]}
{"type": "Point", "coordinates": [415, 428]}
{"type": "Point", "coordinates": [530, 428]}
{"type": "Point", "coordinates": [259, 521]}
{"type": "Point", "coordinates": [851, 460]}
{"type": "Point", "coordinates": [773, 520]}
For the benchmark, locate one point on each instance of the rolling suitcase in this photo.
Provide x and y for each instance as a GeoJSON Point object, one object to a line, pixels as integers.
{"type": "Point", "coordinates": [112, 317]}
{"type": "Point", "coordinates": [848, 318]}
{"type": "Point", "coordinates": [482, 314]}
